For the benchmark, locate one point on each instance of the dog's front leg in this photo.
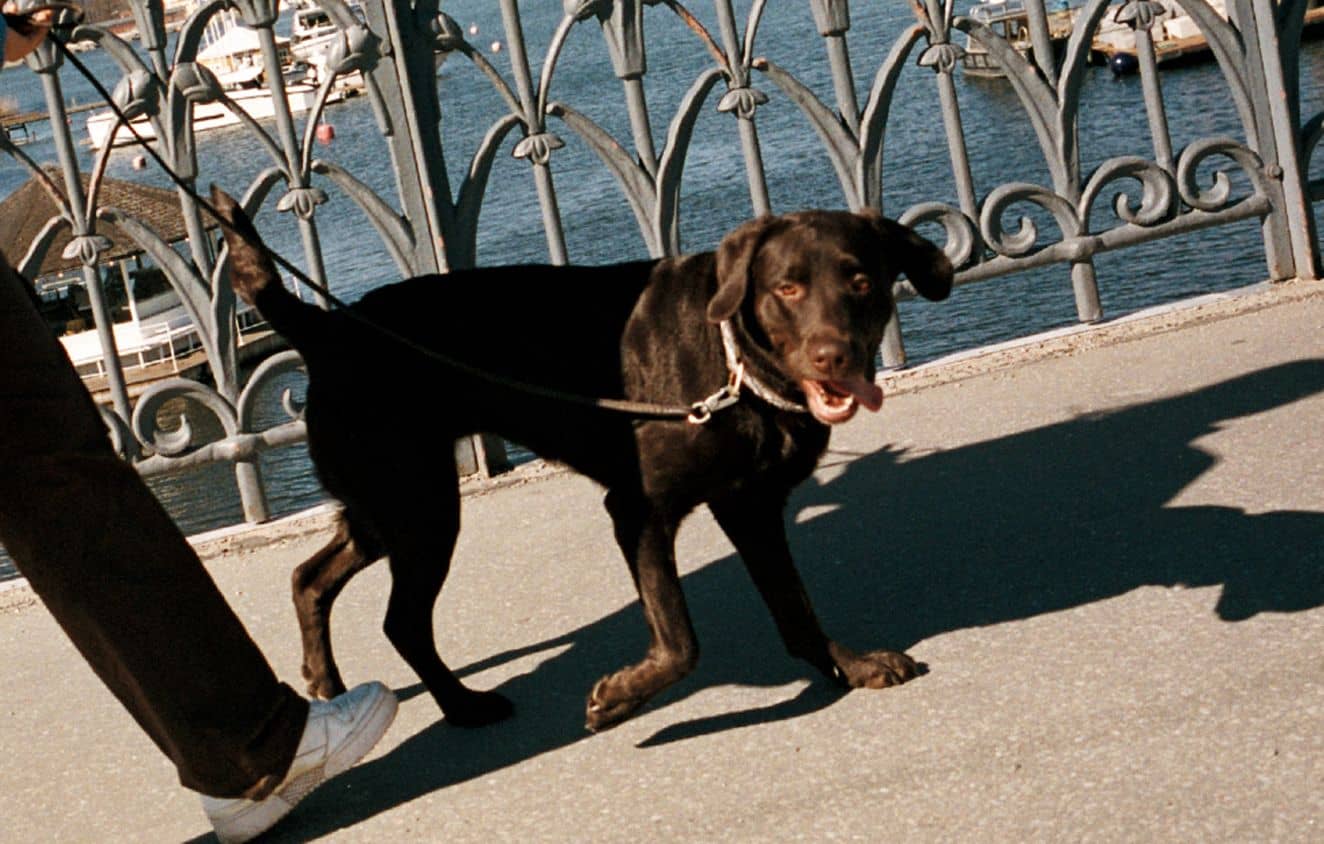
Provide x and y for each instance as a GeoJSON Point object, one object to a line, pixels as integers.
{"type": "Point", "coordinates": [754, 524]}
{"type": "Point", "coordinates": [647, 538]}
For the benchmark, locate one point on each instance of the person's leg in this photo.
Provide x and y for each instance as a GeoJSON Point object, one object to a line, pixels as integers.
{"type": "Point", "coordinates": [119, 577]}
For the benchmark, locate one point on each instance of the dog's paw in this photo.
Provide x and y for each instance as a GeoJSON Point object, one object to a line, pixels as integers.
{"type": "Point", "coordinates": [609, 705]}
{"type": "Point", "coordinates": [478, 709]}
{"type": "Point", "coordinates": [877, 669]}
{"type": "Point", "coordinates": [323, 687]}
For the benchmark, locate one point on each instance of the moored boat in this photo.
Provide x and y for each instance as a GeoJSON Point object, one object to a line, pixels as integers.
{"type": "Point", "coordinates": [1010, 20]}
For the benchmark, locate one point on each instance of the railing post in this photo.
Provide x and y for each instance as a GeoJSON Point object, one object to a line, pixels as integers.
{"type": "Point", "coordinates": [408, 82]}
{"type": "Point", "coordinates": [1263, 137]}
{"type": "Point", "coordinates": [1281, 103]}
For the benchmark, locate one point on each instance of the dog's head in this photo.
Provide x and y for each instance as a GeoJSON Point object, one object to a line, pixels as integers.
{"type": "Point", "coordinates": [815, 288]}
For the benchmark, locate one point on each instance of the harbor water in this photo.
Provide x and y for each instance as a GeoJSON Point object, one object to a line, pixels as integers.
{"type": "Point", "coordinates": [600, 226]}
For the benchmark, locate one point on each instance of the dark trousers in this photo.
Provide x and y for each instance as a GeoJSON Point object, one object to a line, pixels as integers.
{"type": "Point", "coordinates": [118, 576]}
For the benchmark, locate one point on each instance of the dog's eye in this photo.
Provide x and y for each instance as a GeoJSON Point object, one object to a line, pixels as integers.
{"type": "Point", "coordinates": [861, 285]}
{"type": "Point", "coordinates": [790, 290]}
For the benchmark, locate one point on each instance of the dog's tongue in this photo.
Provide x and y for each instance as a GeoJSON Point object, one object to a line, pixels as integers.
{"type": "Point", "coordinates": [835, 402]}
{"type": "Point", "coordinates": [866, 392]}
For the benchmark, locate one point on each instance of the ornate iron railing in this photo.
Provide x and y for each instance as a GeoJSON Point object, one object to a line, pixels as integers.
{"type": "Point", "coordinates": [432, 224]}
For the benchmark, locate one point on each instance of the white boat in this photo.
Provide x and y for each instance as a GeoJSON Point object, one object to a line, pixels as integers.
{"type": "Point", "coordinates": [312, 35]}
{"type": "Point", "coordinates": [312, 31]}
{"type": "Point", "coordinates": [161, 335]}
{"type": "Point", "coordinates": [151, 329]}
{"type": "Point", "coordinates": [258, 103]}
{"type": "Point", "coordinates": [1009, 19]}
{"type": "Point", "coordinates": [233, 52]}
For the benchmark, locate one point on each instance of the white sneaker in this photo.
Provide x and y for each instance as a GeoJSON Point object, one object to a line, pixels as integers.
{"type": "Point", "coordinates": [340, 732]}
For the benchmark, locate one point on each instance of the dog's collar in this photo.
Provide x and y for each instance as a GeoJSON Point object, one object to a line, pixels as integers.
{"type": "Point", "coordinates": [740, 377]}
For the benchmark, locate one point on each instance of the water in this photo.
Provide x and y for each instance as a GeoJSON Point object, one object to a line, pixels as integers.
{"type": "Point", "coordinates": [600, 226]}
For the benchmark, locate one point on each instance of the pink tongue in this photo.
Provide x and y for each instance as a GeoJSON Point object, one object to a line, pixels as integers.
{"type": "Point", "coordinates": [866, 392]}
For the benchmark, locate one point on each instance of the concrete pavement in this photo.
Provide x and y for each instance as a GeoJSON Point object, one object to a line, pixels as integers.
{"type": "Point", "coordinates": [1107, 545]}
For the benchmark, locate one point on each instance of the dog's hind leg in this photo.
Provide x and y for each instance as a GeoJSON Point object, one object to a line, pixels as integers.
{"type": "Point", "coordinates": [316, 583]}
{"type": "Point", "coordinates": [754, 524]}
{"type": "Point", "coordinates": [420, 539]}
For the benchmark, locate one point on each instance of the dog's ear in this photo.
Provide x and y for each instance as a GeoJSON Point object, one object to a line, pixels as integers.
{"type": "Point", "coordinates": [923, 263]}
{"type": "Point", "coordinates": [734, 256]}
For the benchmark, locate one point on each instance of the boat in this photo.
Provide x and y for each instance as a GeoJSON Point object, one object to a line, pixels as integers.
{"type": "Point", "coordinates": [1010, 20]}
{"type": "Point", "coordinates": [157, 330]}
{"type": "Point", "coordinates": [312, 32]}
{"type": "Point", "coordinates": [1176, 36]}
{"type": "Point", "coordinates": [233, 53]}
{"type": "Point", "coordinates": [312, 35]}
{"type": "Point", "coordinates": [153, 333]}
{"type": "Point", "coordinates": [257, 103]}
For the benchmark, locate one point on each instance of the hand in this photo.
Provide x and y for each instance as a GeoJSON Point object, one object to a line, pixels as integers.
{"type": "Point", "coordinates": [26, 32]}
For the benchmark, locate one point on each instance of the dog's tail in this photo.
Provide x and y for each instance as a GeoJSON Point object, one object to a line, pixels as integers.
{"type": "Point", "coordinates": [254, 278]}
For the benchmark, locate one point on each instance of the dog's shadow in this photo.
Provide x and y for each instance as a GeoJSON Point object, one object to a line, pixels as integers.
{"type": "Point", "coordinates": [900, 548]}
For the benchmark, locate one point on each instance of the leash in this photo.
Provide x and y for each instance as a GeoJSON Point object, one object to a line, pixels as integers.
{"type": "Point", "coordinates": [697, 413]}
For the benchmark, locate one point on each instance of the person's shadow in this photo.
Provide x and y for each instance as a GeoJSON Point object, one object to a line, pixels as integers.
{"type": "Point", "coordinates": [904, 548]}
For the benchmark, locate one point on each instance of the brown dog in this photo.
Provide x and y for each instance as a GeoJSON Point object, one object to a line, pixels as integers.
{"type": "Point", "coordinates": [803, 298]}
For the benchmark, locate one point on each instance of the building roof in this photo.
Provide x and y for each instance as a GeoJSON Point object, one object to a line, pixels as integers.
{"type": "Point", "coordinates": [26, 211]}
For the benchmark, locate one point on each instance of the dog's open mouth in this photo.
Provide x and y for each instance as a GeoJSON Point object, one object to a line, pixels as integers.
{"type": "Point", "coordinates": [834, 402]}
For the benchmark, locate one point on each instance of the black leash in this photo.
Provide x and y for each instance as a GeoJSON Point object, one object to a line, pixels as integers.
{"type": "Point", "coordinates": [697, 413]}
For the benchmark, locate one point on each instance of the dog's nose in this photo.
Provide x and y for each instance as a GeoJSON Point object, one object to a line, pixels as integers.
{"type": "Point", "coordinates": [829, 357]}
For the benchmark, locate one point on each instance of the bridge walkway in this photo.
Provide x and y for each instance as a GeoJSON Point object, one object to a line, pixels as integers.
{"type": "Point", "coordinates": [1107, 544]}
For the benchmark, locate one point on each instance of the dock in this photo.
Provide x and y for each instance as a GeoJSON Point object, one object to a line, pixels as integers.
{"type": "Point", "coordinates": [255, 346]}
{"type": "Point", "coordinates": [1106, 543]}
{"type": "Point", "coordinates": [18, 122]}
{"type": "Point", "coordinates": [1190, 48]}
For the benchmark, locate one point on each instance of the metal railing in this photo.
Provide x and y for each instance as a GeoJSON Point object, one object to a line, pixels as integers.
{"type": "Point", "coordinates": [431, 224]}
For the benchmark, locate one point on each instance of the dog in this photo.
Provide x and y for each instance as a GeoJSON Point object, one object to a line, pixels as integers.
{"type": "Point", "coordinates": [786, 316]}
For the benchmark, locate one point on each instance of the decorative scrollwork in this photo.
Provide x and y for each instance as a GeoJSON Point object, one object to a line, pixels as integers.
{"type": "Point", "coordinates": [962, 243]}
{"type": "Point", "coordinates": [195, 82]}
{"type": "Point", "coordinates": [623, 32]}
{"type": "Point", "coordinates": [1158, 198]}
{"type": "Point", "coordinates": [358, 49]}
{"type": "Point", "coordinates": [179, 441]}
{"type": "Point", "coordinates": [302, 201]}
{"type": "Point", "coordinates": [1023, 242]}
{"type": "Point", "coordinates": [447, 35]}
{"type": "Point", "coordinates": [1140, 14]}
{"type": "Point", "coordinates": [943, 58]}
{"type": "Point", "coordinates": [1216, 196]}
{"type": "Point", "coordinates": [276, 366]}
{"type": "Point", "coordinates": [86, 248]}
{"type": "Point", "coordinates": [538, 147]}
{"type": "Point", "coordinates": [258, 14]}
{"type": "Point", "coordinates": [121, 438]}
{"type": "Point", "coordinates": [138, 94]}
{"type": "Point", "coordinates": [743, 101]}
{"type": "Point", "coordinates": [1311, 134]}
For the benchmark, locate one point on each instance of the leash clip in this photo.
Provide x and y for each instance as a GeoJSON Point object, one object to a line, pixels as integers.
{"type": "Point", "coordinates": [729, 394]}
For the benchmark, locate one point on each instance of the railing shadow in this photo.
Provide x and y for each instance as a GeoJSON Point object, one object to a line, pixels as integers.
{"type": "Point", "coordinates": [989, 533]}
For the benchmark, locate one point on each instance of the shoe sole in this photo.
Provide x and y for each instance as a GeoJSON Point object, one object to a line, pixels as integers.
{"type": "Point", "coordinates": [256, 819]}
